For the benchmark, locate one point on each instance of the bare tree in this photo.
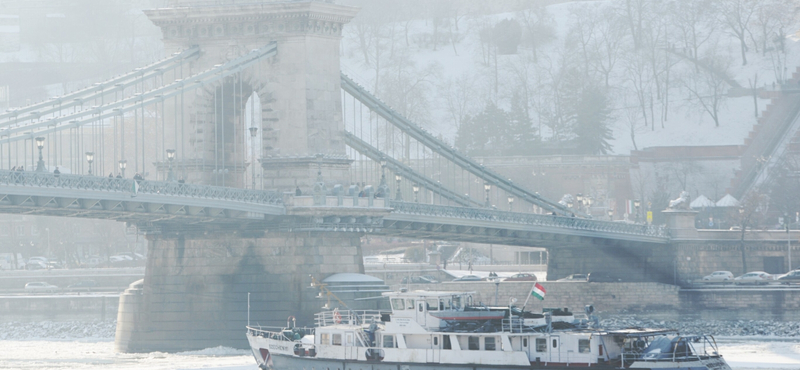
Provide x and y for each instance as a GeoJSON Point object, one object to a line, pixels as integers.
{"type": "Point", "coordinates": [607, 46]}
{"type": "Point", "coordinates": [639, 78]}
{"type": "Point", "coordinates": [537, 26]}
{"type": "Point", "coordinates": [695, 21]}
{"type": "Point", "coordinates": [459, 97]}
{"type": "Point", "coordinates": [736, 15]}
{"type": "Point", "coordinates": [709, 85]}
{"type": "Point", "coordinates": [750, 213]}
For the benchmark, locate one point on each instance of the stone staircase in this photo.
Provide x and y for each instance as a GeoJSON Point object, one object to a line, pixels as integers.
{"type": "Point", "coordinates": [774, 122]}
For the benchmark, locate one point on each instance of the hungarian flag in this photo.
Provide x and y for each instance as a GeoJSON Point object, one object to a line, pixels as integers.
{"type": "Point", "coordinates": [538, 291]}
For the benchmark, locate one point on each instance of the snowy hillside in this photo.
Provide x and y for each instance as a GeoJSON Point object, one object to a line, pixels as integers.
{"type": "Point", "coordinates": [658, 95]}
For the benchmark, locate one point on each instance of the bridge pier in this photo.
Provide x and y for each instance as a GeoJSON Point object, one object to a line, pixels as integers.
{"type": "Point", "coordinates": [196, 288]}
{"type": "Point", "coordinates": [632, 261]}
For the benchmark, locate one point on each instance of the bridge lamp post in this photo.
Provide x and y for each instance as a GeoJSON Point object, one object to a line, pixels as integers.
{"type": "Point", "coordinates": [788, 239]}
{"type": "Point", "coordinates": [415, 188]}
{"type": "Point", "coordinates": [253, 131]}
{"type": "Point", "coordinates": [487, 187]}
{"type": "Point", "coordinates": [636, 204]}
{"type": "Point", "coordinates": [510, 203]}
{"type": "Point", "coordinates": [399, 196]}
{"type": "Point", "coordinates": [122, 164]}
{"type": "Point", "coordinates": [170, 158]}
{"type": "Point", "coordinates": [610, 214]}
{"type": "Point", "coordinates": [90, 159]}
{"type": "Point", "coordinates": [40, 145]}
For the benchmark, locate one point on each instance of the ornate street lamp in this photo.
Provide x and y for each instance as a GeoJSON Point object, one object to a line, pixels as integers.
{"type": "Point", "coordinates": [636, 204]}
{"type": "Point", "coordinates": [399, 196]}
{"type": "Point", "coordinates": [170, 158]}
{"type": "Point", "coordinates": [510, 203]}
{"type": "Point", "coordinates": [415, 188]}
{"type": "Point", "coordinates": [253, 132]}
{"type": "Point", "coordinates": [610, 214]}
{"type": "Point", "coordinates": [487, 187]}
{"type": "Point", "coordinates": [40, 145]}
{"type": "Point", "coordinates": [90, 159]}
{"type": "Point", "coordinates": [122, 165]}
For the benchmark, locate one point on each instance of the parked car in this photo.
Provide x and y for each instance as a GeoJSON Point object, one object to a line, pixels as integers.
{"type": "Point", "coordinates": [603, 277]}
{"type": "Point", "coordinates": [84, 285]}
{"type": "Point", "coordinates": [790, 277]}
{"type": "Point", "coordinates": [521, 277]}
{"type": "Point", "coordinates": [35, 265]}
{"type": "Point", "coordinates": [431, 278]}
{"type": "Point", "coordinates": [39, 259]}
{"type": "Point", "coordinates": [718, 277]}
{"type": "Point", "coordinates": [418, 280]}
{"type": "Point", "coordinates": [574, 277]}
{"type": "Point", "coordinates": [753, 277]}
{"type": "Point", "coordinates": [40, 286]}
{"type": "Point", "coordinates": [468, 278]}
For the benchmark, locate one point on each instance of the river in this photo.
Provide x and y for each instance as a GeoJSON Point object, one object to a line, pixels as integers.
{"type": "Point", "coordinates": [742, 353]}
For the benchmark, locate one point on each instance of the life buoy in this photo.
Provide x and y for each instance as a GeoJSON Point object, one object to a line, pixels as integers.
{"type": "Point", "coordinates": [337, 317]}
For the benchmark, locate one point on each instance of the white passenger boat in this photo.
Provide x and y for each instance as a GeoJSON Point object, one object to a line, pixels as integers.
{"type": "Point", "coordinates": [445, 330]}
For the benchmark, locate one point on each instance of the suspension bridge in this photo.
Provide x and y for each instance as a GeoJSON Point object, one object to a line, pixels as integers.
{"type": "Point", "coordinates": [250, 162]}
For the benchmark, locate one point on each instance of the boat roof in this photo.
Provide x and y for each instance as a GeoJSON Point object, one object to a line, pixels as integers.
{"type": "Point", "coordinates": [423, 293]}
{"type": "Point", "coordinates": [642, 332]}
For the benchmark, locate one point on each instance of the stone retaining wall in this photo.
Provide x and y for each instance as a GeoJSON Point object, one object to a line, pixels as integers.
{"type": "Point", "coordinates": [58, 308]}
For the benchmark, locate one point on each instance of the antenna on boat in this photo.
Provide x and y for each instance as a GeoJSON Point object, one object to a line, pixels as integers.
{"type": "Point", "coordinates": [248, 308]}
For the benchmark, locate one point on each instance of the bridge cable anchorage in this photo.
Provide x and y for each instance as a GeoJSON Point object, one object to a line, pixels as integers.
{"type": "Point", "coordinates": [138, 100]}
{"type": "Point", "coordinates": [434, 144]}
{"type": "Point", "coordinates": [98, 90]}
{"type": "Point", "coordinates": [407, 172]}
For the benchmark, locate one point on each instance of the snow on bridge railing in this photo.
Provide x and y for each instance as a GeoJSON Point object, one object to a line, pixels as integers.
{"type": "Point", "coordinates": [573, 223]}
{"type": "Point", "coordinates": [164, 188]}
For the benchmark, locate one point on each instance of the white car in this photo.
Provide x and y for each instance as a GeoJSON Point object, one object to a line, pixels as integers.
{"type": "Point", "coordinates": [754, 277]}
{"type": "Point", "coordinates": [40, 286]}
{"type": "Point", "coordinates": [718, 277]}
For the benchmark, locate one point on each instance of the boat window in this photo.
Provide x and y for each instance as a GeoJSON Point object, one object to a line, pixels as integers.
{"type": "Point", "coordinates": [397, 304]}
{"type": "Point", "coordinates": [433, 304]}
{"type": "Point", "coordinates": [441, 305]}
{"type": "Point", "coordinates": [409, 304]}
{"type": "Point", "coordinates": [420, 306]}
{"type": "Point", "coordinates": [473, 343]}
{"type": "Point", "coordinates": [456, 302]}
{"type": "Point", "coordinates": [337, 339]}
{"type": "Point", "coordinates": [435, 341]}
{"type": "Point", "coordinates": [583, 346]}
{"type": "Point", "coordinates": [446, 342]}
{"type": "Point", "coordinates": [541, 345]}
{"type": "Point", "coordinates": [324, 338]}
{"type": "Point", "coordinates": [388, 341]}
{"type": "Point", "coordinates": [524, 342]}
{"type": "Point", "coordinates": [488, 344]}
{"type": "Point", "coordinates": [555, 343]}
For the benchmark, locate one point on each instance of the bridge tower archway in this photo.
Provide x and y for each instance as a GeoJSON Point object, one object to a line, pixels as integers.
{"type": "Point", "coordinates": [299, 90]}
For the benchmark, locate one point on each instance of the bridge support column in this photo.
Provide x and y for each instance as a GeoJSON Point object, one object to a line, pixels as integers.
{"type": "Point", "coordinates": [196, 286]}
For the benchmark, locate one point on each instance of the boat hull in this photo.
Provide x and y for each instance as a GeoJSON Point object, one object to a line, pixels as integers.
{"type": "Point", "coordinates": [299, 363]}
{"type": "Point", "coordinates": [280, 355]}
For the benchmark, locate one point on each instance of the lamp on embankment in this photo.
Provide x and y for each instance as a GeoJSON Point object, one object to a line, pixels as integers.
{"type": "Point", "coordinates": [40, 145]}
{"type": "Point", "coordinates": [122, 165]}
{"type": "Point", "coordinates": [510, 203]}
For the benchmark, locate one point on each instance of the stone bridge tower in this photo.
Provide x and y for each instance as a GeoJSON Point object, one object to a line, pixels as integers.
{"type": "Point", "coordinates": [200, 278]}
{"type": "Point", "coordinates": [299, 89]}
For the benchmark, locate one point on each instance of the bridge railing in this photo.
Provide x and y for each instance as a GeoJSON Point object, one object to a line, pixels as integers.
{"type": "Point", "coordinates": [563, 222]}
{"type": "Point", "coordinates": [109, 184]}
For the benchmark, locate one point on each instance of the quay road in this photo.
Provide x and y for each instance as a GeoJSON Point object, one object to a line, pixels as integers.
{"type": "Point", "coordinates": [111, 280]}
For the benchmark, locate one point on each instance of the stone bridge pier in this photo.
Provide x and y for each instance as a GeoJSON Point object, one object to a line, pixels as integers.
{"type": "Point", "coordinates": [195, 291]}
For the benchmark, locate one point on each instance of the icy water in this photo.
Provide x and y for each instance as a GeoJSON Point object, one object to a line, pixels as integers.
{"type": "Point", "coordinates": [741, 354]}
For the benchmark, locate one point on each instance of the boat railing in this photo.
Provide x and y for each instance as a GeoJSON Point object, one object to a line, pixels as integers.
{"type": "Point", "coordinates": [352, 317]}
{"type": "Point", "coordinates": [278, 333]}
